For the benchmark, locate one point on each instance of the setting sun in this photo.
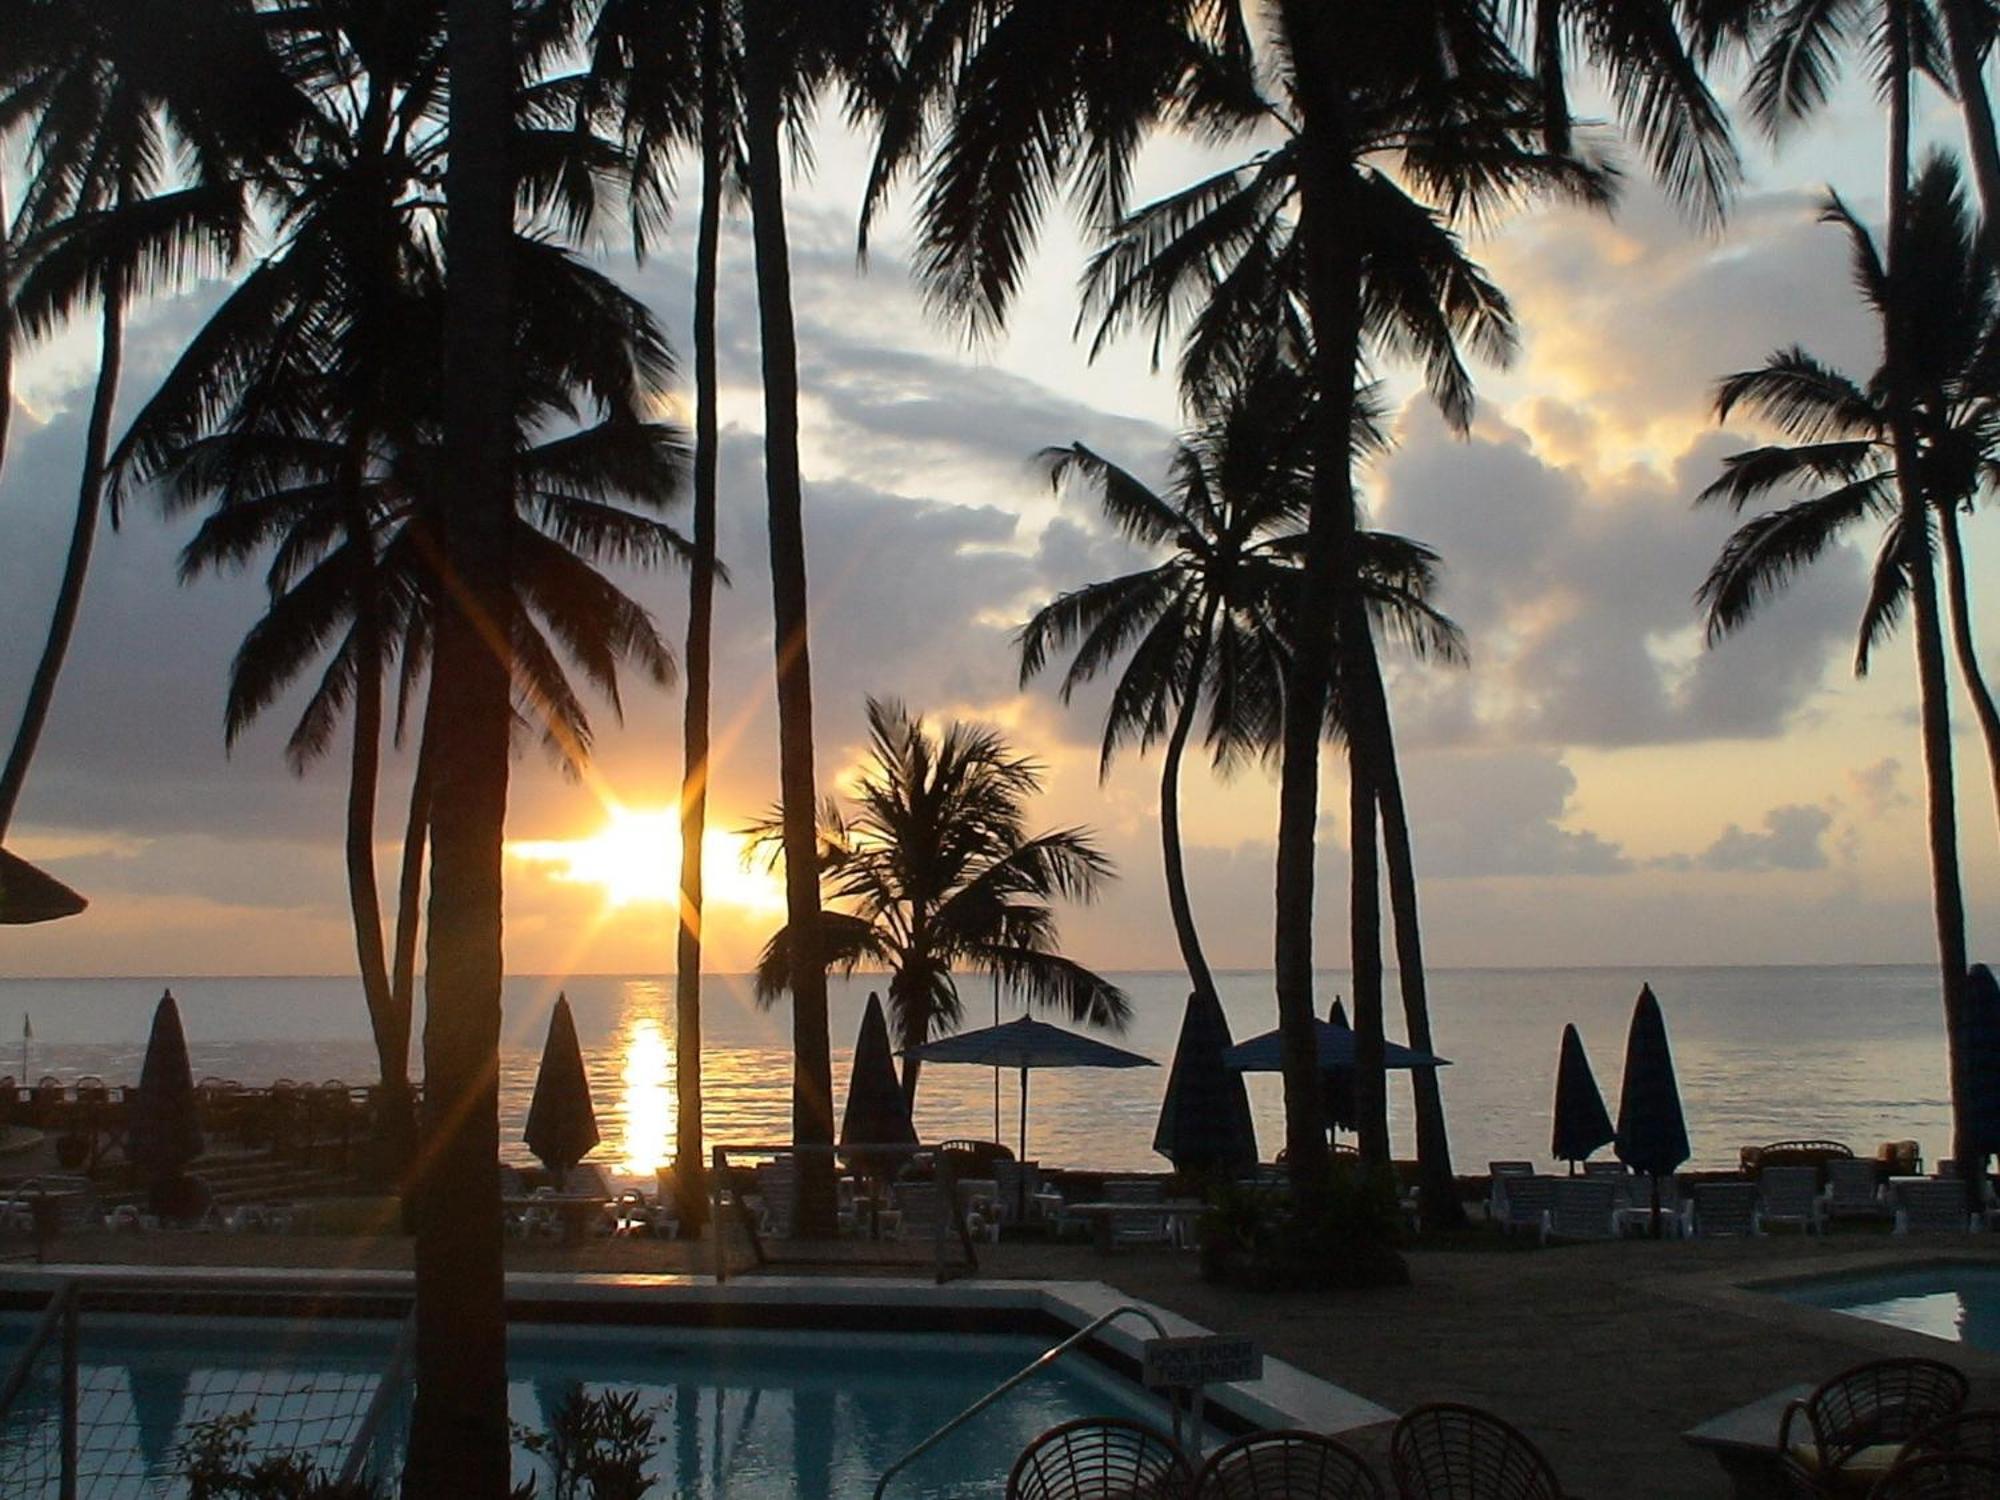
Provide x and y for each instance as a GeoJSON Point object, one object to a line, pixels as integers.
{"type": "Point", "coordinates": [635, 860]}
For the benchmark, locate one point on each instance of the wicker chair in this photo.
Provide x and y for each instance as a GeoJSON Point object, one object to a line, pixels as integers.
{"type": "Point", "coordinates": [1286, 1465]}
{"type": "Point", "coordinates": [1101, 1458]}
{"type": "Point", "coordinates": [1845, 1435]}
{"type": "Point", "coordinates": [1940, 1476]}
{"type": "Point", "coordinates": [1450, 1452]}
{"type": "Point", "coordinates": [1976, 1431]}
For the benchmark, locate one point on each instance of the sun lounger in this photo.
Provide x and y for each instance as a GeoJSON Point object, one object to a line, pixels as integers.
{"type": "Point", "coordinates": [1582, 1208]}
{"type": "Point", "coordinates": [1138, 1227]}
{"type": "Point", "coordinates": [1932, 1207]}
{"type": "Point", "coordinates": [1496, 1195]}
{"type": "Point", "coordinates": [1724, 1208]}
{"type": "Point", "coordinates": [1854, 1190]}
{"type": "Point", "coordinates": [1527, 1203]}
{"type": "Point", "coordinates": [1790, 1195]}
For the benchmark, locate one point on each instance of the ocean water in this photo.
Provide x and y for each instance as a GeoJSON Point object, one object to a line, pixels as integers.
{"type": "Point", "coordinates": [1857, 1054]}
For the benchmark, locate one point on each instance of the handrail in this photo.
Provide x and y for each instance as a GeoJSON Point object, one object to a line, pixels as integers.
{"type": "Point", "coordinates": [378, 1406]}
{"type": "Point", "coordinates": [46, 1329]}
{"type": "Point", "coordinates": [1040, 1363]}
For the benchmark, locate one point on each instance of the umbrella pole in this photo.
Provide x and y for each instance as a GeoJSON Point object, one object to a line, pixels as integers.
{"type": "Point", "coordinates": [996, 1066]}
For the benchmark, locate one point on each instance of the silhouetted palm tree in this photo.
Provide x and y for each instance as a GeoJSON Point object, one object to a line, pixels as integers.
{"type": "Point", "coordinates": [1887, 452]}
{"type": "Point", "coordinates": [139, 117]}
{"type": "Point", "coordinates": [942, 874]}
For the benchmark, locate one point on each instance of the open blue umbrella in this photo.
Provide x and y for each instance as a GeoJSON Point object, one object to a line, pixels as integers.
{"type": "Point", "coordinates": [1979, 1060]}
{"type": "Point", "coordinates": [1024, 1044]}
{"type": "Point", "coordinates": [1205, 1120]}
{"type": "Point", "coordinates": [1582, 1123]}
{"type": "Point", "coordinates": [1652, 1131]}
{"type": "Point", "coordinates": [1265, 1054]}
{"type": "Point", "coordinates": [876, 1113]}
{"type": "Point", "coordinates": [31, 895]}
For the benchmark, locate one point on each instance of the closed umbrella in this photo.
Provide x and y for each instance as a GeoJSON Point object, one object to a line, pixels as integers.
{"type": "Point", "coordinates": [31, 895]}
{"type": "Point", "coordinates": [1024, 1044]}
{"type": "Point", "coordinates": [1337, 1083]}
{"type": "Point", "coordinates": [1979, 1060]}
{"type": "Point", "coordinates": [562, 1127]}
{"type": "Point", "coordinates": [877, 1114]}
{"type": "Point", "coordinates": [163, 1125]}
{"type": "Point", "coordinates": [1205, 1123]}
{"type": "Point", "coordinates": [1652, 1132]}
{"type": "Point", "coordinates": [1582, 1123]}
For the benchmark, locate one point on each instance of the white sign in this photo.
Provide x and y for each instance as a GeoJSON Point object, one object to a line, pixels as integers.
{"type": "Point", "coordinates": [1203, 1359]}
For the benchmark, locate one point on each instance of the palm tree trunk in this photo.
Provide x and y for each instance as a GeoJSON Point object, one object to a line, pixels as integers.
{"type": "Point", "coordinates": [1333, 292]}
{"type": "Point", "coordinates": [1959, 595]}
{"type": "Point", "coordinates": [1441, 1208]}
{"type": "Point", "coordinates": [691, 1196]}
{"type": "Point", "coordinates": [812, 1057]}
{"type": "Point", "coordinates": [459, 1438]}
{"type": "Point", "coordinates": [6, 318]}
{"type": "Point", "coordinates": [1371, 1090]}
{"type": "Point", "coordinates": [1178, 904]}
{"type": "Point", "coordinates": [82, 537]}
{"type": "Point", "coordinates": [398, 1123]}
{"type": "Point", "coordinates": [364, 895]}
{"type": "Point", "coordinates": [1947, 894]}
{"type": "Point", "coordinates": [1968, 73]}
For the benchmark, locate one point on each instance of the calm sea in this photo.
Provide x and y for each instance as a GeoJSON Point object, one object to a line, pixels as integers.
{"type": "Point", "coordinates": [1763, 1053]}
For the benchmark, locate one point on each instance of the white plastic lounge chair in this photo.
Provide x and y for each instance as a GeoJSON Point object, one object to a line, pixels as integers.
{"type": "Point", "coordinates": [1932, 1207]}
{"type": "Point", "coordinates": [1582, 1208]}
{"type": "Point", "coordinates": [778, 1196]}
{"type": "Point", "coordinates": [1790, 1196]}
{"type": "Point", "coordinates": [1854, 1190]}
{"type": "Point", "coordinates": [1528, 1202]}
{"type": "Point", "coordinates": [1496, 1195]}
{"type": "Point", "coordinates": [918, 1209]}
{"type": "Point", "coordinates": [1019, 1182]}
{"type": "Point", "coordinates": [1138, 1227]}
{"type": "Point", "coordinates": [1725, 1208]}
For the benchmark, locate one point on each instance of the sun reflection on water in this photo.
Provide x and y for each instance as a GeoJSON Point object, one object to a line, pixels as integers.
{"type": "Point", "coordinates": [646, 1075]}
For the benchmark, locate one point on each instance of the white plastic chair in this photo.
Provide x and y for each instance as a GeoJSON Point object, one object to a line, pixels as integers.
{"type": "Point", "coordinates": [1933, 1207]}
{"type": "Point", "coordinates": [1790, 1196]}
{"type": "Point", "coordinates": [1581, 1208]}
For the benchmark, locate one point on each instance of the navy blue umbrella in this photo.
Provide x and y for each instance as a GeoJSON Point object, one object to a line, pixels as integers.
{"type": "Point", "coordinates": [1337, 1084]}
{"type": "Point", "coordinates": [1979, 1060]}
{"type": "Point", "coordinates": [1265, 1054]}
{"type": "Point", "coordinates": [876, 1114]}
{"type": "Point", "coordinates": [1652, 1131]}
{"type": "Point", "coordinates": [31, 895]}
{"type": "Point", "coordinates": [1024, 1044]}
{"type": "Point", "coordinates": [1205, 1120]}
{"type": "Point", "coordinates": [562, 1127]}
{"type": "Point", "coordinates": [163, 1125]}
{"type": "Point", "coordinates": [1582, 1122]}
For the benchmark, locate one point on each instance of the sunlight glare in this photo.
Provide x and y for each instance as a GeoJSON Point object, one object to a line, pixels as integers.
{"type": "Point", "coordinates": [635, 860]}
{"type": "Point", "coordinates": [649, 1109]}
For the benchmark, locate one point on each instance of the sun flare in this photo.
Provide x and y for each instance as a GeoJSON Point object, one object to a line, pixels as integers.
{"type": "Point", "coordinates": [635, 859]}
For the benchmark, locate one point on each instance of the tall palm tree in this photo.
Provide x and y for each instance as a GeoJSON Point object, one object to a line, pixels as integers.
{"type": "Point", "coordinates": [1871, 453]}
{"type": "Point", "coordinates": [941, 874]}
{"type": "Point", "coordinates": [1207, 622]}
{"type": "Point", "coordinates": [109, 95]}
{"type": "Point", "coordinates": [1038, 97]}
{"type": "Point", "coordinates": [459, 1440]}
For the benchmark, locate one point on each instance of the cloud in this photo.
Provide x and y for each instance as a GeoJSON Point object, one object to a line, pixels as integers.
{"type": "Point", "coordinates": [1792, 838]}
{"type": "Point", "coordinates": [1500, 814]}
{"type": "Point", "coordinates": [1878, 787]}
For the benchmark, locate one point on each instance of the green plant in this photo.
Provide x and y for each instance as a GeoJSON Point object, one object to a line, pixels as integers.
{"type": "Point", "coordinates": [216, 1463]}
{"type": "Point", "coordinates": [1254, 1236]}
{"type": "Point", "coordinates": [597, 1447]}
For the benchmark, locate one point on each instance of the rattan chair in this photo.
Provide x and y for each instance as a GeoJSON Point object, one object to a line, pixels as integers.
{"type": "Point", "coordinates": [1940, 1476]}
{"type": "Point", "coordinates": [1845, 1435]}
{"type": "Point", "coordinates": [1450, 1452]}
{"type": "Point", "coordinates": [1287, 1465]}
{"type": "Point", "coordinates": [1101, 1458]}
{"type": "Point", "coordinates": [1976, 1432]}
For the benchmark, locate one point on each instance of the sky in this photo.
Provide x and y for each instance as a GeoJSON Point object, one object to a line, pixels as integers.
{"type": "Point", "coordinates": [1595, 788]}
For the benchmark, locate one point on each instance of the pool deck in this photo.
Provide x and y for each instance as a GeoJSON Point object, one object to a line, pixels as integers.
{"type": "Point", "coordinates": [1605, 1354]}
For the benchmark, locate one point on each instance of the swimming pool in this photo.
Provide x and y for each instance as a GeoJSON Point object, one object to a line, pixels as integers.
{"type": "Point", "coordinates": [1958, 1301]}
{"type": "Point", "coordinates": [752, 1413]}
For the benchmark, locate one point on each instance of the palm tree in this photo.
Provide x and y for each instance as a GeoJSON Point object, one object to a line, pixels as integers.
{"type": "Point", "coordinates": [942, 874]}
{"type": "Point", "coordinates": [1881, 452]}
{"type": "Point", "coordinates": [1038, 97]}
{"type": "Point", "coordinates": [109, 94]}
{"type": "Point", "coordinates": [459, 1440]}
{"type": "Point", "coordinates": [1206, 623]}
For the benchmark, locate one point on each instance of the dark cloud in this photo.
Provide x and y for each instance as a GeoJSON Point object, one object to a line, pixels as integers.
{"type": "Point", "coordinates": [1500, 814]}
{"type": "Point", "coordinates": [1792, 838]}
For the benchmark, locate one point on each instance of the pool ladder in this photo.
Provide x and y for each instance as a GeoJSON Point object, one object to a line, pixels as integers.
{"type": "Point", "coordinates": [1019, 1377]}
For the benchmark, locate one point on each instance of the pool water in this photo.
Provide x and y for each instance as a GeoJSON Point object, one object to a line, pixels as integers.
{"type": "Point", "coordinates": [1959, 1302]}
{"type": "Point", "coordinates": [748, 1414]}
